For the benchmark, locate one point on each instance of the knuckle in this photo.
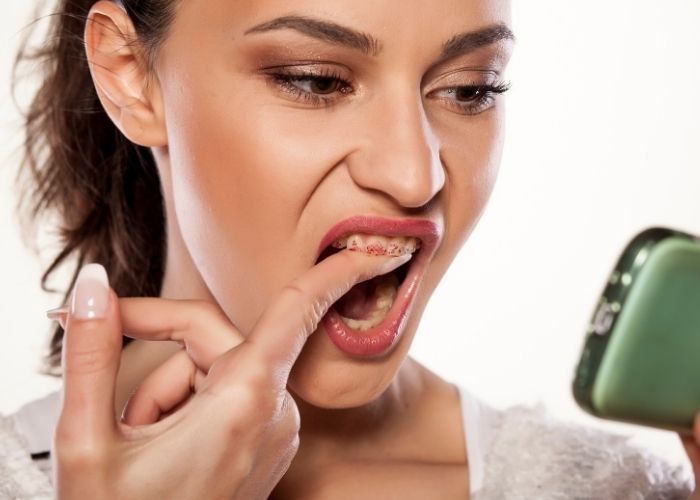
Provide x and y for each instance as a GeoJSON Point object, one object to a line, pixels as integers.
{"type": "Point", "coordinates": [312, 315]}
{"type": "Point", "coordinates": [313, 308]}
{"type": "Point", "coordinates": [243, 465]}
{"type": "Point", "coordinates": [197, 314]}
{"type": "Point", "coordinates": [315, 313]}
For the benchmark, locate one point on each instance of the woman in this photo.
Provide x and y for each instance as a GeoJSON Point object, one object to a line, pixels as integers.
{"type": "Point", "coordinates": [291, 181]}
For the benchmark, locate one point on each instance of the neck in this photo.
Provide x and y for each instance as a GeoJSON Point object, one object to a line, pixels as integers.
{"type": "Point", "coordinates": [356, 433]}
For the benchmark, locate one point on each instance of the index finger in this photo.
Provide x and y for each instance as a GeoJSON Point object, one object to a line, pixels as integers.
{"type": "Point", "coordinates": [293, 315]}
{"type": "Point", "coordinates": [201, 327]}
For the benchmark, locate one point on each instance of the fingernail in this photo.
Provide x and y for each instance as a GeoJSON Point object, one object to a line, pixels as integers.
{"type": "Point", "coordinates": [91, 293]}
{"type": "Point", "coordinates": [395, 262]}
{"type": "Point", "coordinates": [56, 313]}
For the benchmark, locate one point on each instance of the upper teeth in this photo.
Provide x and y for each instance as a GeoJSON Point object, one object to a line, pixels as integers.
{"type": "Point", "coordinates": [378, 245]}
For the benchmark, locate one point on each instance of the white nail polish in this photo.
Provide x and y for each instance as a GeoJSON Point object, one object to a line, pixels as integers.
{"type": "Point", "coordinates": [91, 293]}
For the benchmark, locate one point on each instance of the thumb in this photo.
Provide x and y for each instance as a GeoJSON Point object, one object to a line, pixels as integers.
{"type": "Point", "coordinates": [90, 358]}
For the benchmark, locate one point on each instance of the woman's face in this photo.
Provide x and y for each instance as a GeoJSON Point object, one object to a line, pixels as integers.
{"type": "Point", "coordinates": [262, 166]}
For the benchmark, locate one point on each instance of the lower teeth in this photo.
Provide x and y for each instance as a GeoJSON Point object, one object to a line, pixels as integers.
{"type": "Point", "coordinates": [385, 295]}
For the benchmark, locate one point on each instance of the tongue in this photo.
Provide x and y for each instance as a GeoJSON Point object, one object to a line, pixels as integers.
{"type": "Point", "coordinates": [359, 301]}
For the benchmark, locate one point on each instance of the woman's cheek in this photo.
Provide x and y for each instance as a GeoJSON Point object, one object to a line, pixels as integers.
{"type": "Point", "coordinates": [472, 150]}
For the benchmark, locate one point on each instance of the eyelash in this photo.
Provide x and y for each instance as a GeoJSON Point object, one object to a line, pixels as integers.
{"type": "Point", "coordinates": [483, 99]}
{"type": "Point", "coordinates": [484, 94]}
{"type": "Point", "coordinates": [285, 79]}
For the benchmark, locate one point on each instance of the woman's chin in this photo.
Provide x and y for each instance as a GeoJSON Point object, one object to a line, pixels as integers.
{"type": "Point", "coordinates": [325, 389]}
{"type": "Point", "coordinates": [325, 378]}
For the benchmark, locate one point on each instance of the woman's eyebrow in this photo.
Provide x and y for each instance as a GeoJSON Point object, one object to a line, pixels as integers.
{"type": "Point", "coordinates": [323, 30]}
{"type": "Point", "coordinates": [469, 41]}
{"type": "Point", "coordinates": [338, 34]}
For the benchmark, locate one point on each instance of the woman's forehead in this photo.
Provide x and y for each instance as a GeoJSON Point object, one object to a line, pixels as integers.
{"type": "Point", "coordinates": [385, 21]}
{"type": "Point", "coordinates": [391, 30]}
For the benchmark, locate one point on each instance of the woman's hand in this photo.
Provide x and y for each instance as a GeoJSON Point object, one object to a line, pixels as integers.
{"type": "Point", "coordinates": [692, 448]}
{"type": "Point", "coordinates": [235, 437]}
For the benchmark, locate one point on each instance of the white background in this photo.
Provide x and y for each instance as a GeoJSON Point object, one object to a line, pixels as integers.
{"type": "Point", "coordinates": [602, 142]}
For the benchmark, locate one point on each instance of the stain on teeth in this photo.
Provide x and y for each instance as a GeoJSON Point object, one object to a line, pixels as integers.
{"type": "Point", "coordinates": [378, 245]}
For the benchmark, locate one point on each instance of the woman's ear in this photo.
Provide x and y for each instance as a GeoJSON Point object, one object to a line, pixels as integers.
{"type": "Point", "coordinates": [120, 73]}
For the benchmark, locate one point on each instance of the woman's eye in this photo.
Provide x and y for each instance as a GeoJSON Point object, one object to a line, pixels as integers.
{"type": "Point", "coordinates": [319, 89]}
{"type": "Point", "coordinates": [326, 87]}
{"type": "Point", "coordinates": [468, 93]}
{"type": "Point", "coordinates": [322, 85]}
{"type": "Point", "coordinates": [471, 99]}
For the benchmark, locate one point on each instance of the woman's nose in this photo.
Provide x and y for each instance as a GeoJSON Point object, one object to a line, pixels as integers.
{"type": "Point", "coordinates": [398, 153]}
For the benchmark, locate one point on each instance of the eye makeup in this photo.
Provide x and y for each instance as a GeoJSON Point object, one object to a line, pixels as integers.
{"type": "Point", "coordinates": [324, 86]}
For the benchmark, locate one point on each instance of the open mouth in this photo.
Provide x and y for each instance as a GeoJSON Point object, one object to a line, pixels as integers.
{"type": "Point", "coordinates": [367, 304]}
{"type": "Point", "coordinates": [370, 318]}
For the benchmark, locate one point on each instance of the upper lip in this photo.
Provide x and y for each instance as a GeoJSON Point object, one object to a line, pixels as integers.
{"type": "Point", "coordinates": [429, 232]}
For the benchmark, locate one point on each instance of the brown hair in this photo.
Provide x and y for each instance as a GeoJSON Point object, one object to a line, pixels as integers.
{"type": "Point", "coordinates": [103, 190]}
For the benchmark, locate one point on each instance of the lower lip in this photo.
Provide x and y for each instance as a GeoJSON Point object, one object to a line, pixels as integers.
{"type": "Point", "coordinates": [377, 340]}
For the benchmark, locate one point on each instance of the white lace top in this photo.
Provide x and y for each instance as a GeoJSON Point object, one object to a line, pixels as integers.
{"type": "Point", "coordinates": [519, 453]}
{"type": "Point", "coordinates": [479, 420]}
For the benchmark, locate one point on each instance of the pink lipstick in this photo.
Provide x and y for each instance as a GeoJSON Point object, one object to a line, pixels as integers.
{"type": "Point", "coordinates": [379, 339]}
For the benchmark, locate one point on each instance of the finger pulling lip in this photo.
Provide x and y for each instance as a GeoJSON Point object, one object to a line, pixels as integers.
{"type": "Point", "coordinates": [380, 339]}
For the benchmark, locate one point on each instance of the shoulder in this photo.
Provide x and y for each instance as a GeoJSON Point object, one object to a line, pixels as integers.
{"type": "Point", "coordinates": [534, 455]}
{"type": "Point", "coordinates": [19, 475]}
